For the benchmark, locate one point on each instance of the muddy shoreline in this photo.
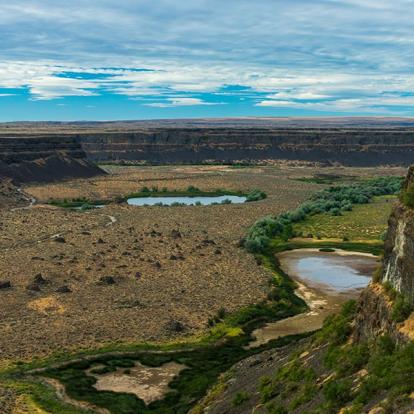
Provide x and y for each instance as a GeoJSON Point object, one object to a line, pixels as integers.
{"type": "Point", "coordinates": [321, 299]}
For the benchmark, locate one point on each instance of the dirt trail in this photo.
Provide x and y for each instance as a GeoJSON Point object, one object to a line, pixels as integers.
{"type": "Point", "coordinates": [61, 394]}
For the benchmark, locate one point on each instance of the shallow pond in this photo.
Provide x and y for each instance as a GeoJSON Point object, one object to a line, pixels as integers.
{"type": "Point", "coordinates": [187, 200]}
{"type": "Point", "coordinates": [325, 281]}
{"type": "Point", "coordinates": [339, 271]}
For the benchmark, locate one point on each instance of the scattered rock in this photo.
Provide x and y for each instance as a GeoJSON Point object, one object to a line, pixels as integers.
{"type": "Point", "coordinates": [59, 239]}
{"type": "Point", "coordinates": [64, 289]}
{"type": "Point", "coordinates": [175, 234]}
{"type": "Point", "coordinates": [107, 280]}
{"type": "Point", "coordinates": [5, 284]}
{"type": "Point", "coordinates": [39, 279]}
{"type": "Point", "coordinates": [175, 326]}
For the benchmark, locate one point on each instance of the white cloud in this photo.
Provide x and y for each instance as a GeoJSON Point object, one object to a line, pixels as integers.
{"type": "Point", "coordinates": [339, 55]}
{"type": "Point", "coordinates": [173, 102]}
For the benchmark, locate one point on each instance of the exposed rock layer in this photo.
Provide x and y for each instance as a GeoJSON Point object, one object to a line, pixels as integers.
{"type": "Point", "coordinates": [44, 159]}
{"type": "Point", "coordinates": [399, 248]}
{"type": "Point", "coordinates": [204, 141]}
{"type": "Point", "coordinates": [358, 147]}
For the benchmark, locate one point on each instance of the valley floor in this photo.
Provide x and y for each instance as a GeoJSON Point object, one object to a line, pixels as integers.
{"type": "Point", "coordinates": [126, 274]}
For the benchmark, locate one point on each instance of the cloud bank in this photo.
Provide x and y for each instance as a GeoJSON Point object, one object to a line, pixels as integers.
{"type": "Point", "coordinates": [330, 56]}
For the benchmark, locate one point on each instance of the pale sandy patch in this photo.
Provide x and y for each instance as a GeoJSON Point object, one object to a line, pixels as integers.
{"type": "Point", "coordinates": [46, 305]}
{"type": "Point", "coordinates": [147, 383]}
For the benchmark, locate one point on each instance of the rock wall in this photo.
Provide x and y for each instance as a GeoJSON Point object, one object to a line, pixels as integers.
{"type": "Point", "coordinates": [374, 316]}
{"type": "Point", "coordinates": [375, 308]}
{"type": "Point", "coordinates": [352, 147]}
{"type": "Point", "coordinates": [43, 159]}
{"type": "Point", "coordinates": [399, 249]}
{"type": "Point", "coordinates": [349, 146]}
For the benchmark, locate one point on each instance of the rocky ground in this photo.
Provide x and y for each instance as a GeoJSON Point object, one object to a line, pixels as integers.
{"type": "Point", "coordinates": [131, 274]}
{"type": "Point", "coordinates": [123, 273]}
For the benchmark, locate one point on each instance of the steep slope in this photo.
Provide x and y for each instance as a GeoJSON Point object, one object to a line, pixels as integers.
{"type": "Point", "coordinates": [362, 361]}
{"type": "Point", "coordinates": [43, 159]}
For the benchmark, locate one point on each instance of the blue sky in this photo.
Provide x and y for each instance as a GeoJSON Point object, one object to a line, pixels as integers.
{"type": "Point", "coordinates": [135, 59]}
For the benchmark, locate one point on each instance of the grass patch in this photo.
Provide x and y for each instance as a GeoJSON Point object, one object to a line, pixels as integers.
{"type": "Point", "coordinates": [333, 201]}
{"type": "Point", "coordinates": [407, 196]}
{"type": "Point", "coordinates": [240, 398]}
{"type": "Point", "coordinates": [364, 221]}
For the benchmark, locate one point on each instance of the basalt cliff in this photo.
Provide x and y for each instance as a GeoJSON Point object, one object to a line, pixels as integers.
{"type": "Point", "coordinates": [350, 142]}
{"type": "Point", "coordinates": [377, 313]}
{"type": "Point", "coordinates": [27, 158]}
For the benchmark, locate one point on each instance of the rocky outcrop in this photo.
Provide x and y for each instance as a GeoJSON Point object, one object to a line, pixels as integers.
{"type": "Point", "coordinates": [375, 310]}
{"type": "Point", "coordinates": [374, 316]}
{"type": "Point", "coordinates": [43, 158]}
{"type": "Point", "coordinates": [399, 249]}
{"type": "Point", "coordinates": [53, 168]}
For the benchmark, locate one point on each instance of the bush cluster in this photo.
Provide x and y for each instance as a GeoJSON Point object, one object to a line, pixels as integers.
{"type": "Point", "coordinates": [407, 196]}
{"type": "Point", "coordinates": [256, 195]}
{"type": "Point", "coordinates": [334, 200]}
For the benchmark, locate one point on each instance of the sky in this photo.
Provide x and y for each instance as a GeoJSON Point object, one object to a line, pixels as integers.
{"type": "Point", "coordinates": [135, 59]}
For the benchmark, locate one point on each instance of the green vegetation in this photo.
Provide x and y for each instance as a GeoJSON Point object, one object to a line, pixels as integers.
{"type": "Point", "coordinates": [334, 201]}
{"type": "Point", "coordinates": [407, 196]}
{"type": "Point", "coordinates": [328, 179]}
{"type": "Point", "coordinates": [84, 203]}
{"type": "Point", "coordinates": [81, 203]}
{"type": "Point", "coordinates": [401, 307]}
{"type": "Point", "coordinates": [255, 195]}
{"type": "Point", "coordinates": [387, 375]}
{"type": "Point", "coordinates": [364, 221]}
{"type": "Point", "coordinates": [191, 191]}
{"type": "Point", "coordinates": [240, 398]}
{"type": "Point", "coordinates": [205, 359]}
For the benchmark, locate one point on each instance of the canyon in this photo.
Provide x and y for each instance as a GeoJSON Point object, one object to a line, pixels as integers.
{"type": "Point", "coordinates": [68, 150]}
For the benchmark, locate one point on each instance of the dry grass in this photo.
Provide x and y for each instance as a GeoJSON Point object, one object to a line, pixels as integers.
{"type": "Point", "coordinates": [151, 288]}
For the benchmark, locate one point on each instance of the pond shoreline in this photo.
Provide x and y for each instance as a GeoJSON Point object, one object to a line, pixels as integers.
{"type": "Point", "coordinates": [322, 300]}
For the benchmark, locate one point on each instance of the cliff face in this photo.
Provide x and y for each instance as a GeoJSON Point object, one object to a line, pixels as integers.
{"type": "Point", "coordinates": [375, 310]}
{"type": "Point", "coordinates": [353, 147]}
{"type": "Point", "coordinates": [43, 159]}
{"type": "Point", "coordinates": [350, 146]}
{"type": "Point", "coordinates": [399, 249]}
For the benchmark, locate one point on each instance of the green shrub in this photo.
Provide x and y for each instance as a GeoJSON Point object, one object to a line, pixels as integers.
{"type": "Point", "coordinates": [401, 309]}
{"type": "Point", "coordinates": [256, 195]}
{"type": "Point", "coordinates": [333, 200]}
{"type": "Point", "coordinates": [407, 196]}
{"type": "Point", "coordinates": [192, 189]}
{"type": "Point", "coordinates": [338, 392]}
{"type": "Point", "coordinates": [240, 398]}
